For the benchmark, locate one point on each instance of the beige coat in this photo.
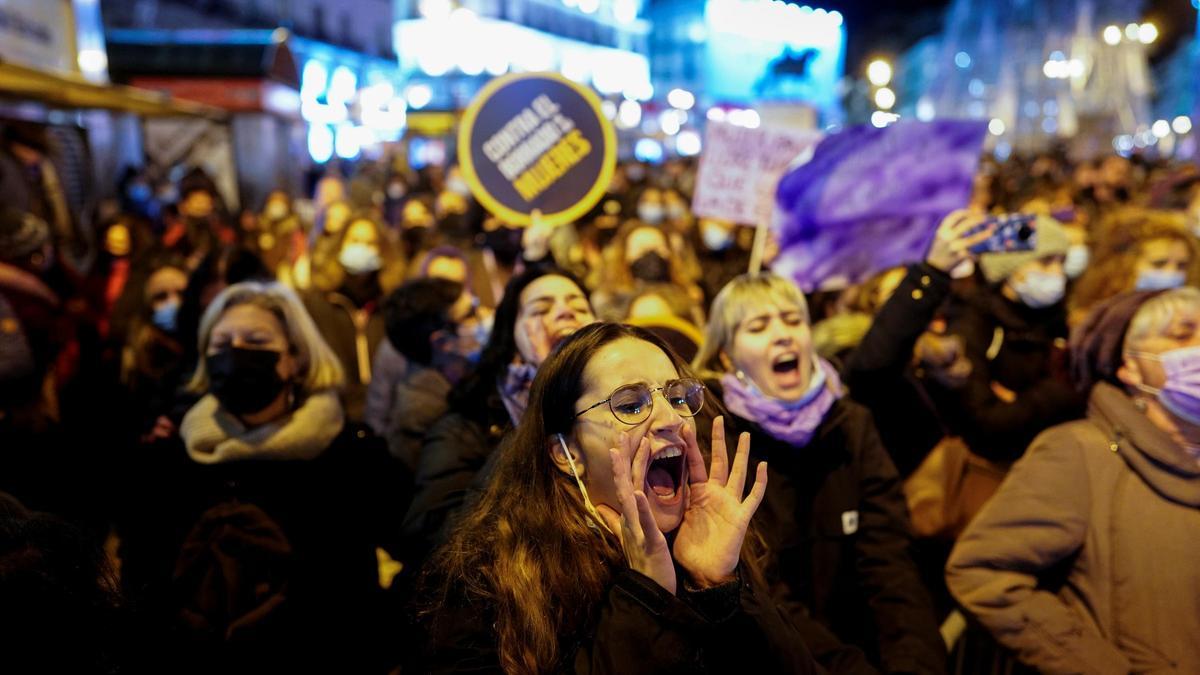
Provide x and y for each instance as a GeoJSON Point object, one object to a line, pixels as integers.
{"type": "Point", "coordinates": [1111, 505]}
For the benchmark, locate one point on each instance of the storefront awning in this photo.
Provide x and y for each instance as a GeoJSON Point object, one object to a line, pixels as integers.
{"type": "Point", "coordinates": [63, 91]}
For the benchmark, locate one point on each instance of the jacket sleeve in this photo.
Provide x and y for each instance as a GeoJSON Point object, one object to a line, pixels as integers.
{"type": "Point", "coordinates": [454, 451]}
{"type": "Point", "coordinates": [1037, 519]}
{"type": "Point", "coordinates": [909, 641]}
{"type": "Point", "coordinates": [887, 348]}
{"type": "Point", "coordinates": [644, 629]}
{"type": "Point", "coordinates": [1000, 430]}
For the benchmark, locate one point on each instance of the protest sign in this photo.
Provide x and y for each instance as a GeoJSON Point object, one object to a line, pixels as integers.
{"type": "Point", "coordinates": [870, 199]}
{"type": "Point", "coordinates": [740, 169]}
{"type": "Point", "coordinates": [536, 141]}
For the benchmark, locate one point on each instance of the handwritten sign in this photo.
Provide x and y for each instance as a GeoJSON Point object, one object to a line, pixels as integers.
{"type": "Point", "coordinates": [740, 169]}
{"type": "Point", "coordinates": [536, 141]}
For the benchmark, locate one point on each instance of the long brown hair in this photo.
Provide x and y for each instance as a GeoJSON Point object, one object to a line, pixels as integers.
{"type": "Point", "coordinates": [1120, 238]}
{"type": "Point", "coordinates": [527, 548]}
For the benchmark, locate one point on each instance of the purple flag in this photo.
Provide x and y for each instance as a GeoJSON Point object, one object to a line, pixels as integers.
{"type": "Point", "coordinates": [870, 199]}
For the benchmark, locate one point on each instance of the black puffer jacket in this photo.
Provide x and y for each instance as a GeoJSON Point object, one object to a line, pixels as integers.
{"type": "Point", "coordinates": [1022, 350]}
{"type": "Point", "coordinates": [639, 627]}
{"type": "Point", "coordinates": [450, 466]}
{"type": "Point", "coordinates": [835, 522]}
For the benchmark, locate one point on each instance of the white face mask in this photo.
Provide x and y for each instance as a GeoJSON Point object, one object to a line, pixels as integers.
{"type": "Point", "coordinates": [651, 214]}
{"type": "Point", "coordinates": [716, 238]}
{"type": "Point", "coordinates": [1041, 289]}
{"type": "Point", "coordinates": [587, 501]}
{"type": "Point", "coordinates": [1160, 280]}
{"type": "Point", "coordinates": [1078, 257]}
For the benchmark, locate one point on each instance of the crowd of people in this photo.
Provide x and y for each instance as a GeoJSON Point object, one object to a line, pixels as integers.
{"type": "Point", "coordinates": [379, 430]}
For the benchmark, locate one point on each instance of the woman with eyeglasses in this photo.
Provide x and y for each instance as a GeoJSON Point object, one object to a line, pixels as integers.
{"type": "Point", "coordinates": [834, 516]}
{"type": "Point", "coordinates": [605, 541]}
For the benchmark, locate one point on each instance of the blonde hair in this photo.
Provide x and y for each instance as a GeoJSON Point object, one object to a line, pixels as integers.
{"type": "Point", "coordinates": [319, 368]}
{"type": "Point", "coordinates": [1157, 314]}
{"type": "Point", "coordinates": [733, 304]}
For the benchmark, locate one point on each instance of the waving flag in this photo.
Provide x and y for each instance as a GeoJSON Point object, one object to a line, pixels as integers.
{"type": "Point", "coordinates": [870, 199]}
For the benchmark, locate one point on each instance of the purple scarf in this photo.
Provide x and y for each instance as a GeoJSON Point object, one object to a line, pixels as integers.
{"type": "Point", "coordinates": [514, 389]}
{"type": "Point", "coordinates": [793, 423]}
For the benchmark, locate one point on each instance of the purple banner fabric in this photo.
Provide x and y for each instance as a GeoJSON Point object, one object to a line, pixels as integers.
{"type": "Point", "coordinates": [870, 199]}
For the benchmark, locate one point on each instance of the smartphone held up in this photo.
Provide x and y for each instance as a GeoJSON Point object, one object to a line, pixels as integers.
{"type": "Point", "coordinates": [1012, 233]}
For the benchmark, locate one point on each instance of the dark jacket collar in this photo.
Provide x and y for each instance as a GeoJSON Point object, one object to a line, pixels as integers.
{"type": "Point", "coordinates": [1148, 451]}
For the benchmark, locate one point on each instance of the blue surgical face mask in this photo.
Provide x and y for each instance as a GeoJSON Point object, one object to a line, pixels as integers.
{"type": "Point", "coordinates": [360, 258]}
{"type": "Point", "coordinates": [1041, 289]}
{"type": "Point", "coordinates": [166, 317]}
{"type": "Point", "coordinates": [1160, 280]}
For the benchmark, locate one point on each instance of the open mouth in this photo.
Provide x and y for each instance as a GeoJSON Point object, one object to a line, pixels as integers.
{"type": "Point", "coordinates": [560, 334]}
{"type": "Point", "coordinates": [664, 477]}
{"type": "Point", "coordinates": [786, 363]}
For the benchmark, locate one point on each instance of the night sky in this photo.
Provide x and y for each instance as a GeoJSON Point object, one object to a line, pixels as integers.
{"type": "Point", "coordinates": [888, 27]}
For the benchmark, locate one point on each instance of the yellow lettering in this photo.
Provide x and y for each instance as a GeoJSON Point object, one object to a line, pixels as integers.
{"type": "Point", "coordinates": [553, 165]}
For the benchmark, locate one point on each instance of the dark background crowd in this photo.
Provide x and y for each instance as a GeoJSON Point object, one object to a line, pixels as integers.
{"type": "Point", "coordinates": [262, 440]}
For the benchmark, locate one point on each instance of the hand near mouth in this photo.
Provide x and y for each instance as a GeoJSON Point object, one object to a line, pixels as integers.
{"type": "Point", "coordinates": [644, 545]}
{"type": "Point", "coordinates": [709, 542]}
{"type": "Point", "coordinates": [539, 338]}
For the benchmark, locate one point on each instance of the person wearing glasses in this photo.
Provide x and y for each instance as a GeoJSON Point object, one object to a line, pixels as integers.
{"type": "Point", "coordinates": [606, 542]}
{"type": "Point", "coordinates": [834, 516]}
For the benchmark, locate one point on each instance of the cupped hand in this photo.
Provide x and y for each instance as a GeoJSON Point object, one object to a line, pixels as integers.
{"type": "Point", "coordinates": [644, 545]}
{"type": "Point", "coordinates": [709, 543]}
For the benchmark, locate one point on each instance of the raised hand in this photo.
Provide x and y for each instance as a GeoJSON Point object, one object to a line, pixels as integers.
{"type": "Point", "coordinates": [954, 239]}
{"type": "Point", "coordinates": [709, 542]}
{"type": "Point", "coordinates": [645, 547]}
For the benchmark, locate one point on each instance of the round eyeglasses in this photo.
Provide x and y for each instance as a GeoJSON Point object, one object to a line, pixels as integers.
{"type": "Point", "coordinates": [632, 403]}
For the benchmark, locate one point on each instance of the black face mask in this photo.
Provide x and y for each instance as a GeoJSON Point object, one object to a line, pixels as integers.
{"type": "Point", "coordinates": [244, 380]}
{"type": "Point", "coordinates": [414, 238]}
{"type": "Point", "coordinates": [454, 225]}
{"type": "Point", "coordinates": [651, 267]}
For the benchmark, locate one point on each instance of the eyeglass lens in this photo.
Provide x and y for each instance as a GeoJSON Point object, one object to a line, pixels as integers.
{"type": "Point", "coordinates": [632, 404]}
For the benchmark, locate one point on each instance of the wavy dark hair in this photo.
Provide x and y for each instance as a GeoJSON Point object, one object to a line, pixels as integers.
{"type": "Point", "coordinates": [526, 548]}
{"type": "Point", "coordinates": [476, 395]}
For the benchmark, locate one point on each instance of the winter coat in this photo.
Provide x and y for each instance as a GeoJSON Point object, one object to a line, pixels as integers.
{"type": "Point", "coordinates": [388, 368]}
{"type": "Point", "coordinates": [639, 627]}
{"type": "Point", "coordinates": [1085, 560]}
{"type": "Point", "coordinates": [419, 401]}
{"type": "Point", "coordinates": [1022, 350]}
{"type": "Point", "coordinates": [335, 504]}
{"type": "Point", "coordinates": [835, 522]}
{"type": "Point", "coordinates": [880, 375]}
{"type": "Point", "coordinates": [354, 334]}
{"type": "Point", "coordinates": [450, 467]}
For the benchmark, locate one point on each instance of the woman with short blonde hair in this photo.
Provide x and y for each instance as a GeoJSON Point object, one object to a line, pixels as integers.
{"type": "Point", "coordinates": [834, 517]}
